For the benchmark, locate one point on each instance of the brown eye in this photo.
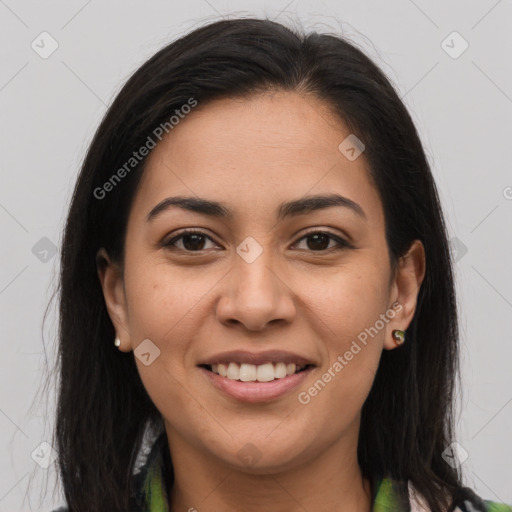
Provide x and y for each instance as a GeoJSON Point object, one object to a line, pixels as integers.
{"type": "Point", "coordinates": [192, 241]}
{"type": "Point", "coordinates": [319, 241]}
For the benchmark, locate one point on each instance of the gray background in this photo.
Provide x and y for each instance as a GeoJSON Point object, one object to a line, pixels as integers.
{"type": "Point", "coordinates": [49, 109]}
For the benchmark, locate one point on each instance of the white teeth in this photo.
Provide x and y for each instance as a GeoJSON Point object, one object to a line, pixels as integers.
{"type": "Point", "coordinates": [251, 373]}
{"type": "Point", "coordinates": [233, 371]}
{"type": "Point", "coordinates": [247, 372]}
{"type": "Point", "coordinates": [265, 372]}
{"type": "Point", "coordinates": [280, 370]}
{"type": "Point", "coordinates": [222, 370]}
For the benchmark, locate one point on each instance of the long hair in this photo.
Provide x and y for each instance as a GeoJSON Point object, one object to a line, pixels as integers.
{"type": "Point", "coordinates": [103, 410]}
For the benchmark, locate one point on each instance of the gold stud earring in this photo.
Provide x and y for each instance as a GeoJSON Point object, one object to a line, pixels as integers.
{"type": "Point", "coordinates": [398, 336]}
{"type": "Point", "coordinates": [117, 342]}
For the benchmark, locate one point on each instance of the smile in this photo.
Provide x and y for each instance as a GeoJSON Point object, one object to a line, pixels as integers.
{"type": "Point", "coordinates": [251, 373]}
{"type": "Point", "coordinates": [255, 391]}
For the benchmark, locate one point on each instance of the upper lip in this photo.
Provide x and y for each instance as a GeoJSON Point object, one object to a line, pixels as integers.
{"type": "Point", "coordinates": [256, 358]}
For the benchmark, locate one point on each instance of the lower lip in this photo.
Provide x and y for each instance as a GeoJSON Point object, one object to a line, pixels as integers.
{"type": "Point", "coordinates": [254, 392]}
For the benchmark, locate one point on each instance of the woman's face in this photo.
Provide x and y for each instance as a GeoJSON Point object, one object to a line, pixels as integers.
{"type": "Point", "coordinates": [313, 285]}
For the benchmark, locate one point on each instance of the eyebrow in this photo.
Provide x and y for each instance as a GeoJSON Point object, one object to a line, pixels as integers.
{"type": "Point", "coordinates": [292, 208]}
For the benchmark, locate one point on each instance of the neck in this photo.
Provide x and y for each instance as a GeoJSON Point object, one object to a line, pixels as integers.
{"type": "Point", "coordinates": [331, 481]}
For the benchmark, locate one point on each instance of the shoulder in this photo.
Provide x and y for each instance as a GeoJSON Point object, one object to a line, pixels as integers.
{"type": "Point", "coordinates": [467, 500]}
{"type": "Point", "coordinates": [489, 506]}
{"type": "Point", "coordinates": [493, 506]}
{"type": "Point", "coordinates": [474, 503]}
{"type": "Point", "coordinates": [155, 461]}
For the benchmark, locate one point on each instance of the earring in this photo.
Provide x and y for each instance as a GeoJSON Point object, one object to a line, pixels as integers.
{"type": "Point", "coordinates": [398, 336]}
{"type": "Point", "coordinates": [117, 342]}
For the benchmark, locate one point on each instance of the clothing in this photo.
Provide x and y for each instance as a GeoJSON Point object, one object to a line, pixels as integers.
{"type": "Point", "coordinates": [151, 492]}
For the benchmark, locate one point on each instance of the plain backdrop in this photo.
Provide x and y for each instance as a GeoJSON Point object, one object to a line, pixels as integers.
{"type": "Point", "coordinates": [449, 60]}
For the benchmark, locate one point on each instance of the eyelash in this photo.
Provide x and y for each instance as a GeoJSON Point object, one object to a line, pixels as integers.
{"type": "Point", "coordinates": [342, 244]}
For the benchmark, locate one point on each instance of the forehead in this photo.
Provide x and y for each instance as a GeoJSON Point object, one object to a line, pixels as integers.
{"type": "Point", "coordinates": [253, 152]}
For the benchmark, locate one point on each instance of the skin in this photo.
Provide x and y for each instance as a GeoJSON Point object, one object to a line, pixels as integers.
{"type": "Point", "coordinates": [252, 154]}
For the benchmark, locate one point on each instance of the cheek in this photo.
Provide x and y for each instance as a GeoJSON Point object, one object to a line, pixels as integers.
{"type": "Point", "coordinates": [347, 301]}
{"type": "Point", "coordinates": [354, 347]}
{"type": "Point", "coordinates": [162, 305]}
{"type": "Point", "coordinates": [163, 301]}
{"type": "Point", "coordinates": [348, 308]}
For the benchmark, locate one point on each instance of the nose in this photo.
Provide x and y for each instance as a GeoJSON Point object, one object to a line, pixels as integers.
{"type": "Point", "coordinates": [255, 295]}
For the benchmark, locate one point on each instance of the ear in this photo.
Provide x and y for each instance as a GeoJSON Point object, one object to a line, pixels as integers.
{"type": "Point", "coordinates": [405, 289]}
{"type": "Point", "coordinates": [111, 279]}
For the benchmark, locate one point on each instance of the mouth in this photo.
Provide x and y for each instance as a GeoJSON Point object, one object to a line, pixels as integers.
{"type": "Point", "coordinates": [246, 372]}
{"type": "Point", "coordinates": [256, 377]}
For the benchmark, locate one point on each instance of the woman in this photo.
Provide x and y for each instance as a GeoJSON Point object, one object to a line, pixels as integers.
{"type": "Point", "coordinates": [256, 281]}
